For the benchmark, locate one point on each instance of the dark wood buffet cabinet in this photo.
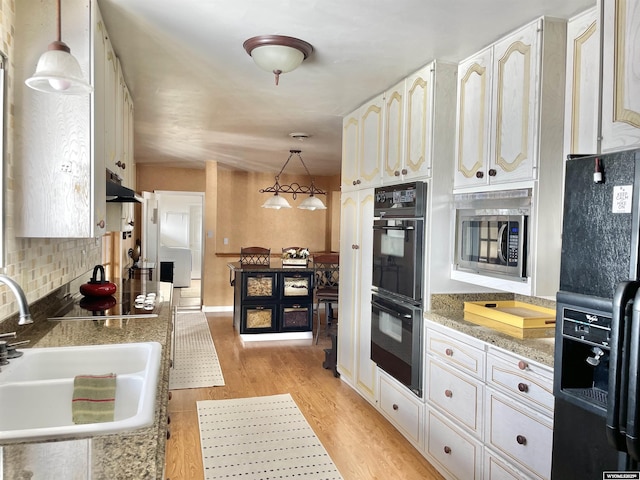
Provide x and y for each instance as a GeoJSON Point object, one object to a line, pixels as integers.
{"type": "Point", "coordinates": [272, 299]}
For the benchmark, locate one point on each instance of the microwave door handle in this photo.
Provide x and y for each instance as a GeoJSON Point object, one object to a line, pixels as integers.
{"type": "Point", "coordinates": [502, 235]}
{"type": "Point", "coordinates": [624, 293]}
{"type": "Point", "coordinates": [633, 389]}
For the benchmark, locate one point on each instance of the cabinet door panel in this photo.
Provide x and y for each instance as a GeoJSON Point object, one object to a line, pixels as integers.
{"type": "Point", "coordinates": [350, 148]}
{"type": "Point", "coordinates": [621, 75]}
{"type": "Point", "coordinates": [394, 151]}
{"type": "Point", "coordinates": [582, 103]}
{"type": "Point", "coordinates": [419, 128]}
{"type": "Point", "coordinates": [371, 128]}
{"type": "Point", "coordinates": [473, 125]}
{"type": "Point", "coordinates": [515, 85]}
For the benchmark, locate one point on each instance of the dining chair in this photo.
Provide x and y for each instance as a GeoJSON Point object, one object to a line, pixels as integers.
{"type": "Point", "coordinates": [326, 268]}
{"type": "Point", "coordinates": [252, 256]}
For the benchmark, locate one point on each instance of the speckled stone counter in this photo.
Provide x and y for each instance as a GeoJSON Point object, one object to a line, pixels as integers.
{"type": "Point", "coordinates": [139, 454]}
{"type": "Point", "coordinates": [447, 310]}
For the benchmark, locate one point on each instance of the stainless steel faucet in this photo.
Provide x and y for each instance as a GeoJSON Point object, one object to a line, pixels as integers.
{"type": "Point", "coordinates": [25, 316]}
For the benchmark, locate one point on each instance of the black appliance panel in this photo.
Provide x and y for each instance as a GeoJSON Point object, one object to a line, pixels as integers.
{"type": "Point", "coordinates": [599, 246]}
{"type": "Point", "coordinates": [396, 340]}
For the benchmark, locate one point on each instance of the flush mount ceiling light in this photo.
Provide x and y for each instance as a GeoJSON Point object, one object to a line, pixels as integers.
{"type": "Point", "coordinates": [277, 53]}
{"type": "Point", "coordinates": [58, 71]}
{"type": "Point", "coordinates": [278, 202]}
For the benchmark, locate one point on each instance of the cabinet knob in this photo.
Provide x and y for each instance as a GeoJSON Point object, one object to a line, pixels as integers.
{"type": "Point", "coordinates": [170, 393]}
{"type": "Point", "coordinates": [492, 172]}
{"type": "Point", "coordinates": [355, 247]}
{"type": "Point", "coordinates": [479, 174]}
{"type": "Point", "coordinates": [354, 182]}
{"type": "Point", "coordinates": [168, 434]}
{"type": "Point", "coordinates": [404, 171]}
{"type": "Point", "coordinates": [121, 164]}
{"type": "Point", "coordinates": [168, 419]}
{"type": "Point", "coordinates": [447, 450]}
{"type": "Point", "coordinates": [521, 439]}
{"type": "Point", "coordinates": [395, 406]}
{"type": "Point", "coordinates": [448, 393]}
{"type": "Point", "coordinates": [522, 365]}
{"type": "Point", "coordinates": [101, 224]}
{"type": "Point", "coordinates": [396, 173]}
{"type": "Point", "coordinates": [358, 182]}
{"type": "Point", "coordinates": [448, 352]}
{"type": "Point", "coordinates": [523, 387]}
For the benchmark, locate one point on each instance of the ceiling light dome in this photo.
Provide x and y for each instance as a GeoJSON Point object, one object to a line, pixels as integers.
{"type": "Point", "coordinates": [276, 202]}
{"type": "Point", "coordinates": [277, 53]}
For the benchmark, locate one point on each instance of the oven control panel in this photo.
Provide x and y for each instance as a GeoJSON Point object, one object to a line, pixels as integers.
{"type": "Point", "coordinates": [406, 200]}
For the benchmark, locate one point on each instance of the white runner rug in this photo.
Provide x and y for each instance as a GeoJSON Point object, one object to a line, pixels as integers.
{"type": "Point", "coordinates": [195, 362]}
{"type": "Point", "coordinates": [260, 438]}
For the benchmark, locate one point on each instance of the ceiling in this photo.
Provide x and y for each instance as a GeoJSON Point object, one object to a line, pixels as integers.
{"type": "Point", "coordinates": [198, 95]}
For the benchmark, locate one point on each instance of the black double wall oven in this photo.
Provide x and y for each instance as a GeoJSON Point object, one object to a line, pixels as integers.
{"type": "Point", "coordinates": [397, 283]}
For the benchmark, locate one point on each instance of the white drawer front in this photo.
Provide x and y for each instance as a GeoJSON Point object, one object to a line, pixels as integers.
{"type": "Point", "coordinates": [522, 378]}
{"type": "Point", "coordinates": [459, 395]}
{"type": "Point", "coordinates": [496, 469]}
{"type": "Point", "coordinates": [521, 435]}
{"type": "Point", "coordinates": [401, 409]}
{"type": "Point", "coordinates": [459, 354]}
{"type": "Point", "coordinates": [459, 454]}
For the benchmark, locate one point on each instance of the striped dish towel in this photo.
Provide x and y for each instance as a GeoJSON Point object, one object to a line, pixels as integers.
{"type": "Point", "coordinates": [94, 398]}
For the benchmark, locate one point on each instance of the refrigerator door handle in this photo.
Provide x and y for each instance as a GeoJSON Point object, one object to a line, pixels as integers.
{"type": "Point", "coordinates": [633, 422]}
{"type": "Point", "coordinates": [616, 398]}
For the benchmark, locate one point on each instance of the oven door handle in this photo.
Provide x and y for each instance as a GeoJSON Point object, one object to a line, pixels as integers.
{"type": "Point", "coordinates": [390, 311]}
{"type": "Point", "coordinates": [375, 227]}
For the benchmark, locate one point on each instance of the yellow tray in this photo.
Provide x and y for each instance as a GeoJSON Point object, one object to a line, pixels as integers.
{"type": "Point", "coordinates": [511, 312]}
{"type": "Point", "coordinates": [520, 333]}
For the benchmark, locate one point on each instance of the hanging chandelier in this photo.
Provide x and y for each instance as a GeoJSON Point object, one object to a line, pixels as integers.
{"type": "Point", "coordinates": [277, 202]}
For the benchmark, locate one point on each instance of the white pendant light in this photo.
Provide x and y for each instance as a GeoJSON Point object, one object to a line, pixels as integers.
{"type": "Point", "coordinates": [312, 203]}
{"type": "Point", "coordinates": [57, 70]}
{"type": "Point", "coordinates": [277, 53]}
{"type": "Point", "coordinates": [276, 202]}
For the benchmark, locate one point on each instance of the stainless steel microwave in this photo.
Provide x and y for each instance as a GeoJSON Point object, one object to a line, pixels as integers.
{"type": "Point", "coordinates": [492, 242]}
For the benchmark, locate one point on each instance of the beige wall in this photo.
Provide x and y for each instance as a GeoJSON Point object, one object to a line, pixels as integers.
{"type": "Point", "coordinates": [39, 265]}
{"type": "Point", "coordinates": [232, 210]}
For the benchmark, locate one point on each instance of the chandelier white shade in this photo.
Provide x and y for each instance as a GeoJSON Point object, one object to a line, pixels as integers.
{"type": "Point", "coordinates": [277, 53]}
{"type": "Point", "coordinates": [276, 202]}
{"type": "Point", "coordinates": [57, 70]}
{"type": "Point", "coordinates": [312, 203]}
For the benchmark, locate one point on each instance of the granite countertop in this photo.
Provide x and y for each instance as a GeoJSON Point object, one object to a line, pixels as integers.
{"type": "Point", "coordinates": [136, 454]}
{"type": "Point", "coordinates": [538, 349]}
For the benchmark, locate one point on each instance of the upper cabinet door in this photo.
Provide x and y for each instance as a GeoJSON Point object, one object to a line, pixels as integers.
{"type": "Point", "coordinates": [515, 86]}
{"type": "Point", "coordinates": [350, 149]}
{"type": "Point", "coordinates": [620, 75]}
{"type": "Point", "coordinates": [473, 119]}
{"type": "Point", "coordinates": [418, 128]}
{"type": "Point", "coordinates": [582, 102]}
{"type": "Point", "coordinates": [393, 140]}
{"type": "Point", "coordinates": [371, 128]}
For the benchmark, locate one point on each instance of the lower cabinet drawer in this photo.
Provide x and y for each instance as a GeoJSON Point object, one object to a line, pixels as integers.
{"type": "Point", "coordinates": [402, 408]}
{"type": "Point", "coordinates": [458, 395]}
{"type": "Point", "coordinates": [497, 469]}
{"type": "Point", "coordinates": [458, 453]}
{"type": "Point", "coordinates": [519, 434]}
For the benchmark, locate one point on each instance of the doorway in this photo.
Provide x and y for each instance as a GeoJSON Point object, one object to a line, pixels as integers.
{"type": "Point", "coordinates": [173, 239]}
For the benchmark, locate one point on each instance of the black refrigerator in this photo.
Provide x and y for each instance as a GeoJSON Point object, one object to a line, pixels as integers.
{"type": "Point", "coordinates": [596, 387]}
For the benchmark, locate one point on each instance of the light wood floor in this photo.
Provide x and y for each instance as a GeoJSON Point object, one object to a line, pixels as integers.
{"type": "Point", "coordinates": [360, 441]}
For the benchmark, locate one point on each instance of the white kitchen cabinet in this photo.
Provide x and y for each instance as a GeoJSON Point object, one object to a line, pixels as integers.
{"type": "Point", "coordinates": [582, 96]}
{"type": "Point", "coordinates": [510, 108]}
{"type": "Point", "coordinates": [415, 116]}
{"type": "Point", "coordinates": [60, 179]}
{"type": "Point", "coordinates": [402, 408]}
{"type": "Point", "coordinates": [362, 145]}
{"type": "Point", "coordinates": [354, 328]}
{"type": "Point", "coordinates": [455, 454]}
{"type": "Point", "coordinates": [620, 74]}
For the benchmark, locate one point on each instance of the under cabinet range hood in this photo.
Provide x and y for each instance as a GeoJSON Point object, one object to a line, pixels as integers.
{"type": "Point", "coordinates": [118, 193]}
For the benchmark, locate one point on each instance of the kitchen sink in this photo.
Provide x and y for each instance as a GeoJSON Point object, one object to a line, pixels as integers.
{"type": "Point", "coordinates": [36, 390]}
